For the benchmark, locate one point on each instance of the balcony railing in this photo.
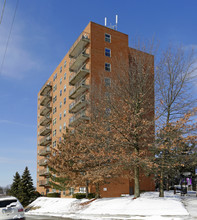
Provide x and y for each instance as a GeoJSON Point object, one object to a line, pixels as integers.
{"type": "Point", "coordinates": [76, 64]}
{"type": "Point", "coordinates": [78, 104]}
{"type": "Point", "coordinates": [44, 172]}
{"type": "Point", "coordinates": [45, 100]}
{"type": "Point", "coordinates": [43, 162]}
{"type": "Point", "coordinates": [44, 131]}
{"type": "Point", "coordinates": [45, 141]}
{"type": "Point", "coordinates": [45, 120]}
{"type": "Point", "coordinates": [45, 89]}
{"type": "Point", "coordinates": [45, 151]}
{"type": "Point", "coordinates": [78, 118]}
{"type": "Point", "coordinates": [81, 42]}
{"type": "Point", "coordinates": [80, 88]}
{"type": "Point", "coordinates": [44, 183]}
{"type": "Point", "coordinates": [75, 77]}
{"type": "Point", "coordinates": [45, 110]}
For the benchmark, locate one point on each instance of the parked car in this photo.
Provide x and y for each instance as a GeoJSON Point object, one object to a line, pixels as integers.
{"type": "Point", "coordinates": [11, 208]}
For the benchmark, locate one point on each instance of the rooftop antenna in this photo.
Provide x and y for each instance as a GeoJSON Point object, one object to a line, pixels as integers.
{"type": "Point", "coordinates": [116, 22]}
{"type": "Point", "coordinates": [105, 21]}
{"type": "Point", "coordinates": [115, 27]}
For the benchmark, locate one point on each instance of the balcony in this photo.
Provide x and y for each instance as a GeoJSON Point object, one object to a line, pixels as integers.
{"type": "Point", "coordinates": [45, 141]}
{"type": "Point", "coordinates": [45, 89]}
{"type": "Point", "coordinates": [76, 64]}
{"type": "Point", "coordinates": [44, 183]}
{"type": "Point", "coordinates": [45, 110]}
{"type": "Point", "coordinates": [45, 120]}
{"type": "Point", "coordinates": [80, 88]}
{"type": "Point", "coordinates": [78, 104]}
{"type": "Point", "coordinates": [44, 131]}
{"type": "Point", "coordinates": [44, 172]}
{"type": "Point", "coordinates": [79, 117]}
{"type": "Point", "coordinates": [43, 162]}
{"type": "Point", "coordinates": [82, 41]}
{"type": "Point", "coordinates": [75, 77]}
{"type": "Point", "coordinates": [45, 151]}
{"type": "Point", "coordinates": [45, 100]}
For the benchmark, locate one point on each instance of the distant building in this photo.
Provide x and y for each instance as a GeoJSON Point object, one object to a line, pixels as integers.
{"type": "Point", "coordinates": [62, 99]}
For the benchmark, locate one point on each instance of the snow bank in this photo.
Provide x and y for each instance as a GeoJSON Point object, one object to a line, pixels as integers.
{"type": "Point", "coordinates": [149, 205]}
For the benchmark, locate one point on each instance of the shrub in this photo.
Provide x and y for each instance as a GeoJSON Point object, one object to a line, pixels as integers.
{"type": "Point", "coordinates": [53, 194]}
{"type": "Point", "coordinates": [79, 195]}
{"type": "Point", "coordinates": [91, 195]}
{"type": "Point", "coordinates": [83, 195]}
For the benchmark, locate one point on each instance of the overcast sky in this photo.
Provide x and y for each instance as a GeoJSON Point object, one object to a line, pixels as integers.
{"type": "Point", "coordinates": [42, 33]}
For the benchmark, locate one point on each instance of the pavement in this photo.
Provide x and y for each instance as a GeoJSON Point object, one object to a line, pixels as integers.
{"type": "Point", "coordinates": [190, 203]}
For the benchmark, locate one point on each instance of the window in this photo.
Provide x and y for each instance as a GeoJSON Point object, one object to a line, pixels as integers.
{"type": "Point", "coordinates": [54, 133]}
{"type": "Point", "coordinates": [64, 100]}
{"type": "Point", "coordinates": [55, 77]}
{"type": "Point", "coordinates": [71, 191]}
{"type": "Point", "coordinates": [60, 128]}
{"type": "Point", "coordinates": [107, 52]}
{"type": "Point", "coordinates": [108, 67]}
{"type": "Point", "coordinates": [64, 63]}
{"type": "Point", "coordinates": [60, 69]}
{"type": "Point", "coordinates": [64, 75]}
{"type": "Point", "coordinates": [64, 125]}
{"type": "Point", "coordinates": [64, 113]}
{"type": "Point", "coordinates": [54, 99]}
{"type": "Point", "coordinates": [64, 193]}
{"type": "Point", "coordinates": [64, 88]}
{"type": "Point", "coordinates": [60, 92]}
{"type": "Point", "coordinates": [82, 189]}
{"type": "Point", "coordinates": [108, 38]}
{"type": "Point", "coordinates": [60, 81]}
{"type": "Point", "coordinates": [54, 143]}
{"type": "Point", "coordinates": [107, 81]}
{"type": "Point", "coordinates": [54, 87]}
{"type": "Point", "coordinates": [54, 121]}
{"type": "Point", "coordinates": [107, 95]}
{"type": "Point", "coordinates": [107, 111]}
{"type": "Point", "coordinates": [60, 104]}
{"type": "Point", "coordinates": [54, 110]}
{"type": "Point", "coordinates": [60, 116]}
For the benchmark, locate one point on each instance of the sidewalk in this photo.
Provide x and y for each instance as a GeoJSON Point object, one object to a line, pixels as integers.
{"type": "Point", "coordinates": [190, 203]}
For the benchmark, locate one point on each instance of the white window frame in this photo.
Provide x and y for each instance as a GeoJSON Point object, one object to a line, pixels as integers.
{"type": "Point", "coordinates": [108, 67]}
{"type": "Point", "coordinates": [108, 38]}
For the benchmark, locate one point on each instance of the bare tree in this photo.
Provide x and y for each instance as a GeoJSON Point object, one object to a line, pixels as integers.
{"type": "Point", "coordinates": [174, 73]}
{"type": "Point", "coordinates": [127, 103]}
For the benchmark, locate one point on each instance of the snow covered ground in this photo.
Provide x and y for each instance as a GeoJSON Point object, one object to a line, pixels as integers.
{"type": "Point", "coordinates": [148, 206]}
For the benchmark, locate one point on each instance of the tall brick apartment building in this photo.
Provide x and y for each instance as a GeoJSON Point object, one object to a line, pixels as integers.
{"type": "Point", "coordinates": [62, 100]}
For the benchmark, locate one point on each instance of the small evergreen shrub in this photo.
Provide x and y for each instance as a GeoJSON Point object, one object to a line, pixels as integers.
{"type": "Point", "coordinates": [53, 194]}
{"type": "Point", "coordinates": [91, 195]}
{"type": "Point", "coordinates": [79, 195]}
{"type": "Point", "coordinates": [83, 195]}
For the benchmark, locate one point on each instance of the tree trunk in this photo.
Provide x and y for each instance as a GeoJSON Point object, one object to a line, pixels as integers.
{"type": "Point", "coordinates": [97, 190]}
{"type": "Point", "coordinates": [87, 190]}
{"type": "Point", "coordinates": [161, 188]}
{"type": "Point", "coordinates": [137, 182]}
